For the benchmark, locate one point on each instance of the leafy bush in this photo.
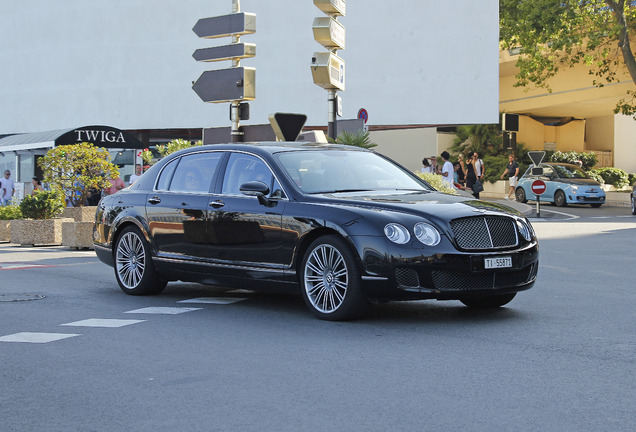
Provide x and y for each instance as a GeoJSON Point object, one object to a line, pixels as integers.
{"type": "Point", "coordinates": [76, 169]}
{"type": "Point", "coordinates": [10, 212]}
{"type": "Point", "coordinates": [631, 179]}
{"type": "Point", "coordinates": [614, 176]}
{"type": "Point", "coordinates": [596, 176]}
{"type": "Point", "coordinates": [588, 160]}
{"type": "Point", "coordinates": [175, 145]}
{"type": "Point", "coordinates": [42, 205]}
{"type": "Point", "coordinates": [437, 181]}
{"type": "Point", "coordinates": [360, 139]}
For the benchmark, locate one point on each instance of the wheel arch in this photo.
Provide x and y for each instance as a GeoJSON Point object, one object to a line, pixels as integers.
{"type": "Point", "coordinates": [321, 232]}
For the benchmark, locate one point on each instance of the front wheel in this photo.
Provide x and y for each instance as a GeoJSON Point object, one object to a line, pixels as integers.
{"type": "Point", "coordinates": [559, 199]}
{"type": "Point", "coordinates": [489, 302]}
{"type": "Point", "coordinates": [330, 280]}
{"type": "Point", "coordinates": [520, 195]}
{"type": "Point", "coordinates": [133, 265]}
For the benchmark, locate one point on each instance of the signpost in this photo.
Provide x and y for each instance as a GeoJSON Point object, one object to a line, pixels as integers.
{"type": "Point", "coordinates": [327, 68]}
{"type": "Point", "coordinates": [235, 84]}
{"type": "Point", "coordinates": [538, 187]}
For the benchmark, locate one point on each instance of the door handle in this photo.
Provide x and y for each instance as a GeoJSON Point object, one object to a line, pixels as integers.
{"type": "Point", "coordinates": [154, 200]}
{"type": "Point", "coordinates": [217, 204]}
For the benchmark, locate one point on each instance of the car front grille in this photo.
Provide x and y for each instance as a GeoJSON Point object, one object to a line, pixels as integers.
{"type": "Point", "coordinates": [484, 232]}
{"type": "Point", "coordinates": [453, 281]}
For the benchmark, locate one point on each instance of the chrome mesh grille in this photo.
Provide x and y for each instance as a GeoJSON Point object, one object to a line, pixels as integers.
{"type": "Point", "coordinates": [485, 232]}
{"type": "Point", "coordinates": [407, 277]}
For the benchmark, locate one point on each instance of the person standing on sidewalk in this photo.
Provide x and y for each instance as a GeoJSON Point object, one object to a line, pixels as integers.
{"type": "Point", "coordinates": [7, 189]}
{"type": "Point", "coordinates": [447, 169]}
{"type": "Point", "coordinates": [512, 170]}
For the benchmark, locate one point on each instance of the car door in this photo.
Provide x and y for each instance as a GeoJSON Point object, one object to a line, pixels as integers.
{"type": "Point", "coordinates": [241, 230]}
{"type": "Point", "coordinates": [549, 177]}
{"type": "Point", "coordinates": [177, 209]}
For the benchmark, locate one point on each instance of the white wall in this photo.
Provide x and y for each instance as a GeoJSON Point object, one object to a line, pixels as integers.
{"type": "Point", "coordinates": [128, 63]}
{"type": "Point", "coordinates": [625, 143]}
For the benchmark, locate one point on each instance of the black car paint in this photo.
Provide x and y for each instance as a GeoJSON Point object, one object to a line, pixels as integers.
{"type": "Point", "coordinates": [288, 226]}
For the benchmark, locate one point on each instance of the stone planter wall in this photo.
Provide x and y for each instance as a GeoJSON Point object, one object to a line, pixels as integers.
{"type": "Point", "coordinates": [77, 235]}
{"type": "Point", "coordinates": [80, 214]}
{"type": "Point", "coordinates": [4, 230]}
{"type": "Point", "coordinates": [37, 232]}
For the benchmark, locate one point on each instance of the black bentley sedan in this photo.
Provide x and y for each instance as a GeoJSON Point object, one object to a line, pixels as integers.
{"type": "Point", "coordinates": [342, 225]}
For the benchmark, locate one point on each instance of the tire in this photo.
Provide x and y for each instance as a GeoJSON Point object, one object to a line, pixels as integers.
{"type": "Point", "coordinates": [559, 199]}
{"type": "Point", "coordinates": [330, 280]}
{"type": "Point", "coordinates": [633, 205]}
{"type": "Point", "coordinates": [520, 195]}
{"type": "Point", "coordinates": [489, 302]}
{"type": "Point", "coordinates": [133, 264]}
{"type": "Point", "coordinates": [596, 205]}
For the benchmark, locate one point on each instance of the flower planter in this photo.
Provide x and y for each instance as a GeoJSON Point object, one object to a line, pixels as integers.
{"type": "Point", "coordinates": [37, 232]}
{"type": "Point", "coordinates": [80, 214]}
{"type": "Point", "coordinates": [77, 235]}
{"type": "Point", "coordinates": [4, 230]}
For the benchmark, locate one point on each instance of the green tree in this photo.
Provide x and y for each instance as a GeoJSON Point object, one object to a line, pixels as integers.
{"type": "Point", "coordinates": [555, 34]}
{"type": "Point", "coordinates": [76, 169]}
{"type": "Point", "coordinates": [481, 138]}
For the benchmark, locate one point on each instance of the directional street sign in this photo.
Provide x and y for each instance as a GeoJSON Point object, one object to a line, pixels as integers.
{"type": "Point", "coordinates": [225, 52]}
{"type": "Point", "coordinates": [332, 7]}
{"type": "Point", "coordinates": [329, 33]}
{"type": "Point", "coordinates": [226, 85]}
{"type": "Point", "coordinates": [226, 25]}
{"type": "Point", "coordinates": [538, 187]}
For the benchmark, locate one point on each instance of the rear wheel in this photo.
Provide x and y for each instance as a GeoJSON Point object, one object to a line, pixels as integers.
{"type": "Point", "coordinates": [330, 279]}
{"type": "Point", "coordinates": [559, 199]}
{"type": "Point", "coordinates": [520, 195]}
{"type": "Point", "coordinates": [133, 264]}
{"type": "Point", "coordinates": [489, 301]}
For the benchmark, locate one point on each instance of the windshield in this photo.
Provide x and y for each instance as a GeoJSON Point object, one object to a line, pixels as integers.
{"type": "Point", "coordinates": [323, 171]}
{"type": "Point", "coordinates": [570, 172]}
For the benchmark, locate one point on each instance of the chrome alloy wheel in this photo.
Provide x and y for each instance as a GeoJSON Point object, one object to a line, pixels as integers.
{"type": "Point", "coordinates": [326, 278]}
{"type": "Point", "coordinates": [130, 260]}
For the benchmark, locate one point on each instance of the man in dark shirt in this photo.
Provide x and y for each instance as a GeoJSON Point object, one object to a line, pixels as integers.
{"type": "Point", "coordinates": [512, 170]}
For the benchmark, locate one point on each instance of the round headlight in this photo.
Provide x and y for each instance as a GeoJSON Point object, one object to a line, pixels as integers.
{"type": "Point", "coordinates": [524, 230]}
{"type": "Point", "coordinates": [427, 234]}
{"type": "Point", "coordinates": [397, 233]}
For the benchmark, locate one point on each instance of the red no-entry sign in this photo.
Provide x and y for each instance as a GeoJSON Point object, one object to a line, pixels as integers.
{"type": "Point", "coordinates": [538, 187]}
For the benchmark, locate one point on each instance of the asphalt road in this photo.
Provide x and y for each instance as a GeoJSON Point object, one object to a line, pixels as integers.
{"type": "Point", "coordinates": [560, 357]}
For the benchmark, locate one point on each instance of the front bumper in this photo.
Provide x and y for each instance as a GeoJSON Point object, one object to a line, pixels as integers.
{"type": "Point", "coordinates": [449, 274]}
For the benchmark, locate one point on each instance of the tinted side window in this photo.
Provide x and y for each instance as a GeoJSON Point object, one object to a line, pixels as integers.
{"type": "Point", "coordinates": [166, 175]}
{"type": "Point", "coordinates": [195, 172]}
{"type": "Point", "coordinates": [242, 168]}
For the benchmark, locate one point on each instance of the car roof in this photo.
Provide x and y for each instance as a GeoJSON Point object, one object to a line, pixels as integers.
{"type": "Point", "coordinates": [277, 146]}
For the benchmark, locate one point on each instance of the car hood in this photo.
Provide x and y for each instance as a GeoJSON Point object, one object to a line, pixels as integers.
{"type": "Point", "coordinates": [434, 205]}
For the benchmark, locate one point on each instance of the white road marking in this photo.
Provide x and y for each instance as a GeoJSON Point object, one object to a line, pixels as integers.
{"type": "Point", "coordinates": [108, 323]}
{"type": "Point", "coordinates": [163, 310]}
{"type": "Point", "coordinates": [29, 337]}
{"type": "Point", "coordinates": [214, 300]}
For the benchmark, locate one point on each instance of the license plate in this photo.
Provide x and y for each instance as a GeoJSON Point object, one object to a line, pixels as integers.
{"type": "Point", "coordinates": [501, 262]}
{"type": "Point", "coordinates": [593, 195]}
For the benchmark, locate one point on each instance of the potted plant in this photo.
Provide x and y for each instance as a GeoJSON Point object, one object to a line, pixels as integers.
{"type": "Point", "coordinates": [40, 225]}
{"type": "Point", "coordinates": [7, 214]}
{"type": "Point", "coordinates": [76, 170]}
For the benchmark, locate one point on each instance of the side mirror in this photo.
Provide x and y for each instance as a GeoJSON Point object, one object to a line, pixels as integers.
{"type": "Point", "coordinates": [257, 189]}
